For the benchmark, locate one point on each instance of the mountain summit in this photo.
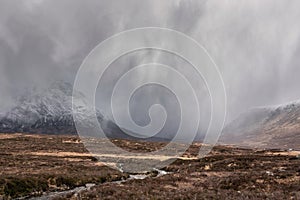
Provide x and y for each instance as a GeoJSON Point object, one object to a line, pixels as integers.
{"type": "Point", "coordinates": [48, 111]}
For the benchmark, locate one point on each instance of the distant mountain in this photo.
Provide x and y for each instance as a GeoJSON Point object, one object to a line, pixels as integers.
{"type": "Point", "coordinates": [270, 127]}
{"type": "Point", "coordinates": [49, 111]}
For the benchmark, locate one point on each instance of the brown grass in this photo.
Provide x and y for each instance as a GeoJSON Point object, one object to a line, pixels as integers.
{"type": "Point", "coordinates": [36, 164]}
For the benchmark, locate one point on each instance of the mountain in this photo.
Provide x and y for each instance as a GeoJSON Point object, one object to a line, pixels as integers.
{"type": "Point", "coordinates": [267, 127]}
{"type": "Point", "coordinates": [50, 112]}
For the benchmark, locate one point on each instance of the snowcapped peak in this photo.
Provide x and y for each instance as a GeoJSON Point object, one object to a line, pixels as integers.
{"type": "Point", "coordinates": [289, 105]}
{"type": "Point", "coordinates": [62, 86]}
{"type": "Point", "coordinates": [48, 107]}
{"type": "Point", "coordinates": [284, 106]}
{"type": "Point", "coordinates": [50, 111]}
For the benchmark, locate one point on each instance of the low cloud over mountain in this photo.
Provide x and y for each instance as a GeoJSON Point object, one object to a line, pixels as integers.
{"type": "Point", "coordinates": [48, 111]}
{"type": "Point", "coordinates": [271, 127]}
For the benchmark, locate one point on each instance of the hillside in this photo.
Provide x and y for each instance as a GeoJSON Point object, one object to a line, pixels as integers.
{"type": "Point", "coordinates": [270, 127]}
{"type": "Point", "coordinates": [48, 111]}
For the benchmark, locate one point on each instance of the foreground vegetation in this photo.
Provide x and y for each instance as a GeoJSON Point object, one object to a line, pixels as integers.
{"type": "Point", "coordinates": [34, 165]}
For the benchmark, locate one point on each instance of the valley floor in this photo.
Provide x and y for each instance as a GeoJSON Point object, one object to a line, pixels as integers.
{"type": "Point", "coordinates": [42, 165]}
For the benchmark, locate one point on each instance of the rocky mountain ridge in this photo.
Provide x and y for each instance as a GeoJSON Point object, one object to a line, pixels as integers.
{"type": "Point", "coordinates": [48, 111]}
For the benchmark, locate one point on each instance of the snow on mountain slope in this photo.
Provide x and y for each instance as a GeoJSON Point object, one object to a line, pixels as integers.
{"type": "Point", "coordinates": [48, 111]}
{"type": "Point", "coordinates": [53, 102]}
{"type": "Point", "coordinates": [272, 127]}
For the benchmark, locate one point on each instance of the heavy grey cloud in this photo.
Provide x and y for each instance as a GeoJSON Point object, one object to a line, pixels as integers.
{"type": "Point", "coordinates": [254, 43]}
{"type": "Point", "coordinates": [256, 46]}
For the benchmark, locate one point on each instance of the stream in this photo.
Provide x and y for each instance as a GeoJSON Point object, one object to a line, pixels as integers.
{"type": "Point", "coordinates": [76, 191]}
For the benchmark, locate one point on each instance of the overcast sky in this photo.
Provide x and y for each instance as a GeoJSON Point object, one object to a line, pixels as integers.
{"type": "Point", "coordinates": [254, 43]}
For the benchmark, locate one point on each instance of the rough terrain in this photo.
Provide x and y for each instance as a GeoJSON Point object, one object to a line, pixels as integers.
{"type": "Point", "coordinates": [40, 165]}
